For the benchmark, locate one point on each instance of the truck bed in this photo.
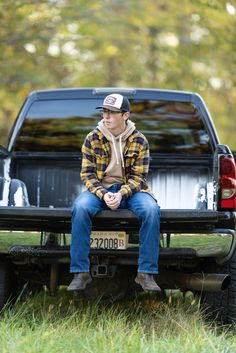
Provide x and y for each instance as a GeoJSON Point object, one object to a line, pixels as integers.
{"type": "Point", "coordinates": [170, 178]}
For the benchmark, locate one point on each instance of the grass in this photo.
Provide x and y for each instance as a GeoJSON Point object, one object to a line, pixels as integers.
{"type": "Point", "coordinates": [8, 239]}
{"type": "Point", "coordinates": [205, 244]}
{"type": "Point", "coordinates": [69, 324]}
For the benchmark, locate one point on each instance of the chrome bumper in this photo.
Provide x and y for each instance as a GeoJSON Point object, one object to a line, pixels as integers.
{"type": "Point", "coordinates": [218, 244]}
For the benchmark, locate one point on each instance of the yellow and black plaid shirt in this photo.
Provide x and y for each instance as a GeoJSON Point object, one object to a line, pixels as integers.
{"type": "Point", "coordinates": [96, 156]}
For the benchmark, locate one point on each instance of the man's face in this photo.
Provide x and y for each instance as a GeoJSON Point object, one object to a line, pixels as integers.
{"type": "Point", "coordinates": [115, 121]}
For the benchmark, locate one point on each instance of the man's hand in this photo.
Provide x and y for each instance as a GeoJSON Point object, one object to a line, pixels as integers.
{"type": "Point", "coordinates": [108, 197]}
{"type": "Point", "coordinates": [113, 200]}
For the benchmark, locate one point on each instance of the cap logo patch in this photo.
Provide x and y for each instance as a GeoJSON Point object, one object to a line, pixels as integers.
{"type": "Point", "coordinates": [116, 102]}
{"type": "Point", "coordinates": [110, 100]}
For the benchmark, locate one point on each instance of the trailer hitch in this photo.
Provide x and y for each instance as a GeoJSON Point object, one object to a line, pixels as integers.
{"type": "Point", "coordinates": [103, 270]}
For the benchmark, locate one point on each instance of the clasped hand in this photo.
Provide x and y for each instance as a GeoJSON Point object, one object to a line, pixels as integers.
{"type": "Point", "coordinates": [112, 200]}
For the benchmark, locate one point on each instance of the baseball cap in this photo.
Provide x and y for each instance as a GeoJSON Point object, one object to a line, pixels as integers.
{"type": "Point", "coordinates": [116, 102]}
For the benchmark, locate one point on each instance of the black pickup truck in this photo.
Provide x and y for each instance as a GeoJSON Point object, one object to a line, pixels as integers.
{"type": "Point", "coordinates": [191, 174]}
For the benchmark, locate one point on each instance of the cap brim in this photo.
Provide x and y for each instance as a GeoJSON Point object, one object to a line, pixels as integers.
{"type": "Point", "coordinates": [108, 107]}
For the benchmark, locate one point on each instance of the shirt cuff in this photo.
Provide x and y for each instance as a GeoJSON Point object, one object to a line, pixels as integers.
{"type": "Point", "coordinates": [124, 192]}
{"type": "Point", "coordinates": [100, 193]}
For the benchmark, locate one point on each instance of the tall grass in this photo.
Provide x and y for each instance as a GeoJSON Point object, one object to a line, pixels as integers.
{"type": "Point", "coordinates": [69, 324]}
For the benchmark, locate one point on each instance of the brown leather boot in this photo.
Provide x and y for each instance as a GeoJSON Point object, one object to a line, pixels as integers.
{"type": "Point", "coordinates": [80, 281]}
{"type": "Point", "coordinates": [147, 282]}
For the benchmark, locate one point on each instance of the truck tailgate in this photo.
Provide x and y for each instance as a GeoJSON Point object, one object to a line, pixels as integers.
{"type": "Point", "coordinates": [58, 219]}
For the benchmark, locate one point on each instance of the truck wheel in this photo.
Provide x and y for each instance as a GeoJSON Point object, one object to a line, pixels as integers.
{"type": "Point", "coordinates": [222, 305]}
{"type": "Point", "coordinates": [7, 284]}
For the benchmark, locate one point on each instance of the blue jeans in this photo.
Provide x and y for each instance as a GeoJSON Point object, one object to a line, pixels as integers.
{"type": "Point", "coordinates": [141, 204]}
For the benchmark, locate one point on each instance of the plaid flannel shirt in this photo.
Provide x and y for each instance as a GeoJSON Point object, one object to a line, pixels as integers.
{"type": "Point", "coordinates": [96, 156]}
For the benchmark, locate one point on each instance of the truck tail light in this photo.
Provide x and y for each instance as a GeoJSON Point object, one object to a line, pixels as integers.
{"type": "Point", "coordinates": [227, 183]}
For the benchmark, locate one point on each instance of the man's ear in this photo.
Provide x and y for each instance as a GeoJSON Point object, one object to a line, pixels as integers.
{"type": "Point", "coordinates": [127, 114]}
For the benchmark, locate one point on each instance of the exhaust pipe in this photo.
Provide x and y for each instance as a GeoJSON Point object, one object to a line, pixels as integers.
{"type": "Point", "coordinates": [204, 282]}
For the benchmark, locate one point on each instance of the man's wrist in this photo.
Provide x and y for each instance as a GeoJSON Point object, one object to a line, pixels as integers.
{"type": "Point", "coordinates": [119, 192]}
{"type": "Point", "coordinates": [100, 193]}
{"type": "Point", "coordinates": [123, 193]}
{"type": "Point", "coordinates": [104, 195]}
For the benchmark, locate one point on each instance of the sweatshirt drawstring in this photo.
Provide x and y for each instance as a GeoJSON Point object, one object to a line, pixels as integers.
{"type": "Point", "coordinates": [121, 151]}
{"type": "Point", "coordinates": [114, 145]}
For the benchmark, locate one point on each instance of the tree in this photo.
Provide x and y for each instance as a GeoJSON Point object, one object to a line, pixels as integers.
{"type": "Point", "coordinates": [66, 43]}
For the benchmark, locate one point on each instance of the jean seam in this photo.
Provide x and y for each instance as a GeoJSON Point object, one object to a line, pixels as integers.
{"type": "Point", "coordinates": [149, 272]}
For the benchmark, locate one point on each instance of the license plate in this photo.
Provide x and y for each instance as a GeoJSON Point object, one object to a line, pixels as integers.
{"type": "Point", "coordinates": [108, 240]}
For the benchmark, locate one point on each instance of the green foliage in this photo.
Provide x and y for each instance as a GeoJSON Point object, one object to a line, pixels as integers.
{"type": "Point", "coordinates": [164, 44]}
{"type": "Point", "coordinates": [8, 239]}
{"type": "Point", "coordinates": [70, 324]}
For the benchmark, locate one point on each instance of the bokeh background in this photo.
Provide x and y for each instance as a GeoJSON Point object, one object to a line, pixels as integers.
{"type": "Point", "coordinates": [175, 44]}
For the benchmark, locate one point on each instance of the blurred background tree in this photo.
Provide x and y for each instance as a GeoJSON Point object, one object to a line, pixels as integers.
{"type": "Point", "coordinates": [187, 45]}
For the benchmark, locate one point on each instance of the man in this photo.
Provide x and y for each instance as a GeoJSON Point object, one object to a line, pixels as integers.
{"type": "Point", "coordinates": [114, 168]}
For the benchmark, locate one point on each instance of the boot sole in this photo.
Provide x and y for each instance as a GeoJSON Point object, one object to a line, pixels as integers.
{"type": "Point", "coordinates": [74, 288]}
{"type": "Point", "coordinates": [148, 289]}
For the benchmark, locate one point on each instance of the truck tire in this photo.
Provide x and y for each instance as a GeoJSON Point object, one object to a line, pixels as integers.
{"type": "Point", "coordinates": [222, 305]}
{"type": "Point", "coordinates": [7, 283]}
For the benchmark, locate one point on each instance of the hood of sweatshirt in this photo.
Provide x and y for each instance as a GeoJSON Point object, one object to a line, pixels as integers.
{"type": "Point", "coordinates": [130, 127]}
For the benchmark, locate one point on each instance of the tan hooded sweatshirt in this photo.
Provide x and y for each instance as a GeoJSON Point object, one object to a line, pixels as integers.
{"type": "Point", "coordinates": [114, 171]}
